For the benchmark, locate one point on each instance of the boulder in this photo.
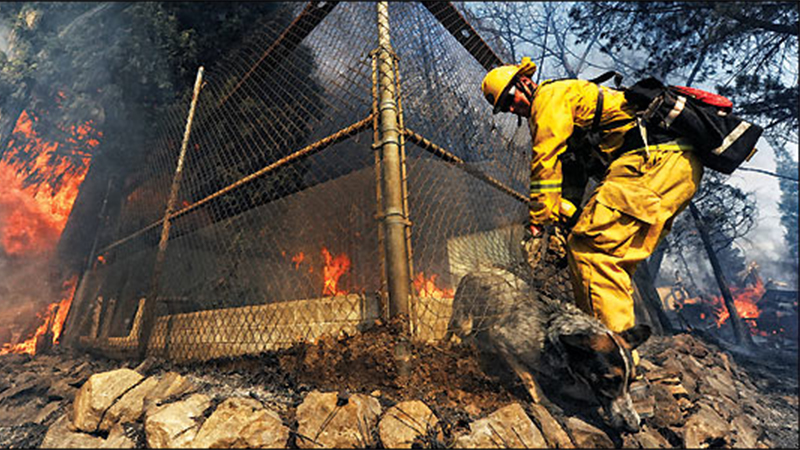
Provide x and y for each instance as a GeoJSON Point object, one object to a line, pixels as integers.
{"type": "Point", "coordinates": [98, 394]}
{"type": "Point", "coordinates": [405, 422]}
{"type": "Point", "coordinates": [242, 423]}
{"type": "Point", "coordinates": [171, 385]}
{"type": "Point", "coordinates": [588, 436]}
{"type": "Point", "coordinates": [704, 428]}
{"type": "Point", "coordinates": [555, 436]}
{"type": "Point", "coordinates": [330, 420]}
{"type": "Point", "coordinates": [118, 439]}
{"type": "Point", "coordinates": [174, 425]}
{"type": "Point", "coordinates": [62, 434]}
{"type": "Point", "coordinates": [129, 407]}
{"type": "Point", "coordinates": [508, 427]}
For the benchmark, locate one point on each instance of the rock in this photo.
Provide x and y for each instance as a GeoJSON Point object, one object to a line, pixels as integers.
{"type": "Point", "coordinates": [242, 423]}
{"type": "Point", "coordinates": [705, 427]}
{"type": "Point", "coordinates": [725, 407]}
{"type": "Point", "coordinates": [30, 386]}
{"type": "Point", "coordinates": [129, 407]}
{"type": "Point", "coordinates": [171, 385]}
{"type": "Point", "coordinates": [555, 436]}
{"type": "Point", "coordinates": [650, 438]}
{"type": "Point", "coordinates": [406, 421]}
{"type": "Point", "coordinates": [667, 412]}
{"type": "Point", "coordinates": [473, 410]}
{"type": "Point", "coordinates": [508, 427]}
{"type": "Point", "coordinates": [47, 411]}
{"type": "Point", "coordinates": [98, 394]}
{"type": "Point", "coordinates": [174, 425]}
{"type": "Point", "coordinates": [717, 382]}
{"type": "Point", "coordinates": [61, 390]}
{"type": "Point", "coordinates": [118, 439]}
{"type": "Point", "coordinates": [746, 432]}
{"type": "Point", "coordinates": [586, 435]}
{"type": "Point", "coordinates": [323, 424]}
{"type": "Point", "coordinates": [60, 435]}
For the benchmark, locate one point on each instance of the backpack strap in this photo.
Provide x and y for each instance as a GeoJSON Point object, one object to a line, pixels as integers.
{"type": "Point", "coordinates": [598, 110]}
{"type": "Point", "coordinates": [607, 76]}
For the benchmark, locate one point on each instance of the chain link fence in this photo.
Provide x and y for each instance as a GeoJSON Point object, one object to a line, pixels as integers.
{"type": "Point", "coordinates": [285, 220]}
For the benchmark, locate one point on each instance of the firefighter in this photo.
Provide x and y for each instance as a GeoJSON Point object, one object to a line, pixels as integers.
{"type": "Point", "coordinates": [647, 181]}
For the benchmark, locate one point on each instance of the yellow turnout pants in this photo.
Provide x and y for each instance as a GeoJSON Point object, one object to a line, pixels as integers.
{"type": "Point", "coordinates": [623, 222]}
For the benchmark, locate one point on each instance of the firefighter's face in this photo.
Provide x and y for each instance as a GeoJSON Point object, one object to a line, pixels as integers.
{"type": "Point", "coordinates": [520, 96]}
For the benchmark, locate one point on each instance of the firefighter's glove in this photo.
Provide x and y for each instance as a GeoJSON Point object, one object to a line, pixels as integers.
{"type": "Point", "coordinates": [568, 214]}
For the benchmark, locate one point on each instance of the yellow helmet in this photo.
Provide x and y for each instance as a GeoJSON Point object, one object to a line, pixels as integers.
{"type": "Point", "coordinates": [497, 82]}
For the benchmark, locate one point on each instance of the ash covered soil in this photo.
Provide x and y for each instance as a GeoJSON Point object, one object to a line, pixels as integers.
{"type": "Point", "coordinates": [687, 376]}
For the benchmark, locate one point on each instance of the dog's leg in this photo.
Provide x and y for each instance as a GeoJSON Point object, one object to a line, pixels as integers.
{"type": "Point", "coordinates": [524, 375]}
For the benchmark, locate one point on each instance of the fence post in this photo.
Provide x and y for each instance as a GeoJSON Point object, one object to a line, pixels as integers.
{"type": "Point", "coordinates": [393, 214]}
{"type": "Point", "coordinates": [149, 309]}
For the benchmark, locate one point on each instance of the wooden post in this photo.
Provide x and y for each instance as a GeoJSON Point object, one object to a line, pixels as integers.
{"type": "Point", "coordinates": [149, 309]}
{"type": "Point", "coordinates": [741, 335]}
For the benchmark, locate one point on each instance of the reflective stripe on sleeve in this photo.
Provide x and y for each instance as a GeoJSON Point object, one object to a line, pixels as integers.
{"type": "Point", "coordinates": [540, 186]}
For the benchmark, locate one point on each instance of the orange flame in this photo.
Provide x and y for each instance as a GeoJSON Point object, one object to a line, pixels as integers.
{"type": "Point", "coordinates": [334, 268]}
{"type": "Point", "coordinates": [52, 319]}
{"type": "Point", "coordinates": [745, 300]}
{"type": "Point", "coordinates": [426, 287]}
{"type": "Point", "coordinates": [33, 216]}
{"type": "Point", "coordinates": [297, 259]}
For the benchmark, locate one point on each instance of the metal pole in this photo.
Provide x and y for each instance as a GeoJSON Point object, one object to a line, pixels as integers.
{"type": "Point", "coordinates": [149, 310]}
{"type": "Point", "coordinates": [393, 216]}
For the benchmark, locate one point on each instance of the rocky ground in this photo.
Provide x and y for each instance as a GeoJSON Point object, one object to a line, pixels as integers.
{"type": "Point", "coordinates": [352, 392]}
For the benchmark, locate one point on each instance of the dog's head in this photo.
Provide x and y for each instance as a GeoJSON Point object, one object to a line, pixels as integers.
{"type": "Point", "coordinates": [603, 361]}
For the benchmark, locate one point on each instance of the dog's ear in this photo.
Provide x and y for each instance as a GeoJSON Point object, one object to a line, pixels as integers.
{"type": "Point", "coordinates": [577, 342]}
{"type": "Point", "coordinates": [636, 335]}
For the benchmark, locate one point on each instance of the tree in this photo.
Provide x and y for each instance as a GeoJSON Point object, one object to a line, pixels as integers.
{"type": "Point", "coordinates": [748, 52]}
{"type": "Point", "coordinates": [788, 205]}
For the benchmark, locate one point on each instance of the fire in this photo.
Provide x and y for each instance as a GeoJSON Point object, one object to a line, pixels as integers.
{"type": "Point", "coordinates": [52, 319]}
{"type": "Point", "coordinates": [32, 215]}
{"type": "Point", "coordinates": [426, 287]}
{"type": "Point", "coordinates": [298, 259]}
{"type": "Point", "coordinates": [334, 268]}
{"type": "Point", "coordinates": [745, 299]}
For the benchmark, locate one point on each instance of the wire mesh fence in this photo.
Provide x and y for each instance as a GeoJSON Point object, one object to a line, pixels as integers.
{"type": "Point", "coordinates": [280, 227]}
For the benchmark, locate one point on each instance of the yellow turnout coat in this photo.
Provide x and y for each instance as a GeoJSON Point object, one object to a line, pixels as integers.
{"type": "Point", "coordinates": [630, 211]}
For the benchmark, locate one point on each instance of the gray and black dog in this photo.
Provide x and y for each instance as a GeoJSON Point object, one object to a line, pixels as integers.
{"type": "Point", "coordinates": [504, 315]}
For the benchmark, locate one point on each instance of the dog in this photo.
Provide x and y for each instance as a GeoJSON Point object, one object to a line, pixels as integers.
{"type": "Point", "coordinates": [498, 309]}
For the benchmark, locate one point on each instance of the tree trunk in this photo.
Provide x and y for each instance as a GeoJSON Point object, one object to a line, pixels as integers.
{"type": "Point", "coordinates": [655, 260]}
{"type": "Point", "coordinates": [644, 283]}
{"type": "Point", "coordinates": [741, 335]}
